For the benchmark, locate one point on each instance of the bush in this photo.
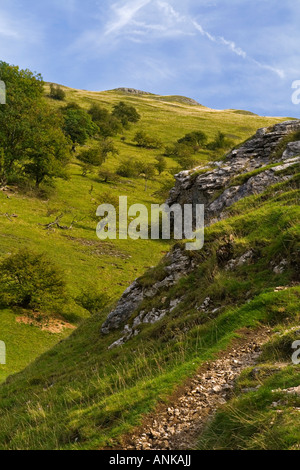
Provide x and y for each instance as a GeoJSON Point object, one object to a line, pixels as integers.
{"type": "Point", "coordinates": [92, 301]}
{"type": "Point", "coordinates": [125, 113]}
{"type": "Point", "coordinates": [161, 164]}
{"type": "Point", "coordinates": [128, 169]}
{"type": "Point", "coordinates": [108, 125]}
{"type": "Point", "coordinates": [57, 93]}
{"type": "Point", "coordinates": [31, 280]}
{"type": "Point", "coordinates": [96, 156]}
{"type": "Point", "coordinates": [197, 140]}
{"type": "Point", "coordinates": [146, 141]}
{"type": "Point", "coordinates": [108, 176]}
{"type": "Point", "coordinates": [220, 142]}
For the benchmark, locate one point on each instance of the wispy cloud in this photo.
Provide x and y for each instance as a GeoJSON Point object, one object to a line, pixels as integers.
{"type": "Point", "coordinates": [128, 20]}
{"type": "Point", "coordinates": [237, 50]}
{"type": "Point", "coordinates": [124, 15]}
{"type": "Point", "coordinates": [8, 28]}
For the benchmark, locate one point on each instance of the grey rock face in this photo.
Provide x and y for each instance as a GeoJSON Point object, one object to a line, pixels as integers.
{"type": "Point", "coordinates": [292, 150]}
{"type": "Point", "coordinates": [215, 189]}
{"type": "Point", "coordinates": [179, 264]}
{"type": "Point", "coordinates": [254, 154]}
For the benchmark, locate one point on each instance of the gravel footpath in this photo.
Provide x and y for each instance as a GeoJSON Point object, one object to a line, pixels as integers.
{"type": "Point", "coordinates": [177, 426]}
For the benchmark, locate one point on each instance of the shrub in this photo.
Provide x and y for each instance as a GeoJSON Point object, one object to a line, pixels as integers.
{"type": "Point", "coordinates": [220, 142]}
{"type": "Point", "coordinates": [196, 140]}
{"type": "Point", "coordinates": [108, 125]}
{"type": "Point", "coordinates": [108, 176]}
{"type": "Point", "coordinates": [92, 301]}
{"type": "Point", "coordinates": [128, 169]}
{"type": "Point", "coordinates": [57, 93]}
{"type": "Point", "coordinates": [161, 164]}
{"type": "Point", "coordinates": [125, 113]}
{"type": "Point", "coordinates": [146, 141]}
{"type": "Point", "coordinates": [31, 280]}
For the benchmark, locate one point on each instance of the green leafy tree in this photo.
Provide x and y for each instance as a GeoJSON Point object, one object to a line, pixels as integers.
{"type": "Point", "coordinates": [92, 301]}
{"type": "Point", "coordinates": [96, 156]}
{"type": "Point", "coordinates": [3, 179]}
{"type": "Point", "coordinates": [57, 93]}
{"type": "Point", "coordinates": [78, 124]}
{"type": "Point", "coordinates": [31, 280]}
{"type": "Point", "coordinates": [220, 142]}
{"type": "Point", "coordinates": [18, 124]}
{"type": "Point", "coordinates": [98, 114]}
{"type": "Point", "coordinates": [128, 169]}
{"type": "Point", "coordinates": [146, 141]}
{"type": "Point", "coordinates": [50, 149]}
{"type": "Point", "coordinates": [161, 164]}
{"type": "Point", "coordinates": [108, 125]}
{"type": "Point", "coordinates": [91, 156]}
{"type": "Point", "coordinates": [108, 176]}
{"type": "Point", "coordinates": [125, 113]}
{"type": "Point", "coordinates": [197, 140]}
{"type": "Point", "coordinates": [107, 147]}
{"type": "Point", "coordinates": [146, 171]}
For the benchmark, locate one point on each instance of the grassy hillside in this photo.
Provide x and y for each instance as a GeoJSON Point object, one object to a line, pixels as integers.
{"type": "Point", "coordinates": [107, 267]}
{"type": "Point", "coordinates": [80, 395]}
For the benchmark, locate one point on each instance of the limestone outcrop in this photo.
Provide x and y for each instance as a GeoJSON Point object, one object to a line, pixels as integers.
{"type": "Point", "coordinates": [260, 162]}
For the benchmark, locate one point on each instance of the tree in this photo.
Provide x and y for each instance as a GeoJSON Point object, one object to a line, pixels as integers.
{"type": "Point", "coordinates": [107, 176]}
{"type": "Point", "coordinates": [31, 280]}
{"type": "Point", "coordinates": [57, 93]}
{"type": "Point", "coordinates": [161, 164]}
{"type": "Point", "coordinates": [125, 113]}
{"type": "Point", "coordinates": [3, 179]}
{"type": "Point", "coordinates": [18, 124]}
{"type": "Point", "coordinates": [107, 147]}
{"type": "Point", "coordinates": [92, 301]}
{"type": "Point", "coordinates": [128, 169]}
{"type": "Point", "coordinates": [98, 114]}
{"type": "Point", "coordinates": [108, 125]}
{"type": "Point", "coordinates": [144, 140]}
{"type": "Point", "coordinates": [96, 156]}
{"type": "Point", "coordinates": [220, 142]}
{"type": "Point", "coordinates": [78, 124]}
{"type": "Point", "coordinates": [196, 140]}
{"type": "Point", "coordinates": [91, 156]}
{"type": "Point", "coordinates": [50, 149]}
{"type": "Point", "coordinates": [146, 170]}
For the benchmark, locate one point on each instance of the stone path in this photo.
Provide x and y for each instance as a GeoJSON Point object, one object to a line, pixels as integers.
{"type": "Point", "coordinates": [177, 426]}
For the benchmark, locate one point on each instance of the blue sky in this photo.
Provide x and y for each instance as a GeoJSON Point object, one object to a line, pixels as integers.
{"type": "Point", "coordinates": [241, 54]}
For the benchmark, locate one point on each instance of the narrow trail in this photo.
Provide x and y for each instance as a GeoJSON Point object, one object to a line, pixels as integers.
{"type": "Point", "coordinates": [177, 425]}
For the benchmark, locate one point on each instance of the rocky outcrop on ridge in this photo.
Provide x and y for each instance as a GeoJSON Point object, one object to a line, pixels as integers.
{"type": "Point", "coordinates": [260, 164]}
{"type": "Point", "coordinates": [215, 188]}
{"type": "Point", "coordinates": [177, 265]}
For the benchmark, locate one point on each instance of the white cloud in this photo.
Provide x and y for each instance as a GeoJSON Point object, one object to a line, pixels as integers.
{"type": "Point", "coordinates": [133, 21]}
{"type": "Point", "coordinates": [237, 50]}
{"type": "Point", "coordinates": [125, 14]}
{"type": "Point", "coordinates": [8, 27]}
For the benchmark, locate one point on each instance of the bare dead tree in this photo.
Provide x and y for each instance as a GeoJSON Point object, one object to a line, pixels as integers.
{"type": "Point", "coordinates": [56, 223]}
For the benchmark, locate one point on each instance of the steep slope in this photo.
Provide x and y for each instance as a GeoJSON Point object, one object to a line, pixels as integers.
{"type": "Point", "coordinates": [85, 394]}
{"type": "Point", "coordinates": [107, 267]}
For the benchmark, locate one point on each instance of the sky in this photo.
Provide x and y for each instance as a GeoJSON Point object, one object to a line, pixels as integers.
{"type": "Point", "coordinates": [226, 54]}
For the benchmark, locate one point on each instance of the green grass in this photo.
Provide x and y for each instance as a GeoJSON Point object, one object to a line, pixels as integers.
{"type": "Point", "coordinates": [109, 267]}
{"type": "Point", "coordinates": [80, 395]}
{"type": "Point", "coordinates": [265, 419]}
{"type": "Point", "coordinates": [23, 342]}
